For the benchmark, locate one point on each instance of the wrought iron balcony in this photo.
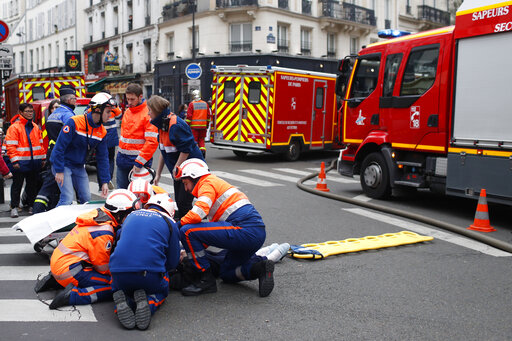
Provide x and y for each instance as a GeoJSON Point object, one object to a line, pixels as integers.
{"type": "Point", "coordinates": [240, 46]}
{"type": "Point", "coordinates": [235, 3]}
{"type": "Point", "coordinates": [177, 9]}
{"type": "Point", "coordinates": [282, 45]}
{"type": "Point", "coordinates": [305, 47]}
{"type": "Point", "coordinates": [433, 15]}
{"type": "Point", "coordinates": [282, 4]}
{"type": "Point", "coordinates": [306, 6]}
{"type": "Point", "coordinates": [347, 11]}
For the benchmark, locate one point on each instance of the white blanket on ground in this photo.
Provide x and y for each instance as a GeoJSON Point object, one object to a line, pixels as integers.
{"type": "Point", "coordinates": [40, 225]}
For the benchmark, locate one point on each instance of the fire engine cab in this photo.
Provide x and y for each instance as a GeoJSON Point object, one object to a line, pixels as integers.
{"type": "Point", "coordinates": [433, 110]}
{"type": "Point", "coordinates": [271, 109]}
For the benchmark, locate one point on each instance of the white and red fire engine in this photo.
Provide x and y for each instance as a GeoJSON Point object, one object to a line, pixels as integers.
{"type": "Point", "coordinates": [433, 109]}
{"type": "Point", "coordinates": [271, 109]}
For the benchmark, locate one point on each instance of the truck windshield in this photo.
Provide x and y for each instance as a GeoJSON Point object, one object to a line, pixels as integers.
{"type": "Point", "coordinates": [366, 76]}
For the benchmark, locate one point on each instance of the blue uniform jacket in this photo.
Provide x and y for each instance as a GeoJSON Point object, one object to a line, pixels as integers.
{"type": "Point", "coordinates": [72, 146]}
{"type": "Point", "coordinates": [146, 244]}
{"type": "Point", "coordinates": [112, 136]}
{"type": "Point", "coordinates": [57, 119]}
{"type": "Point", "coordinates": [181, 137]}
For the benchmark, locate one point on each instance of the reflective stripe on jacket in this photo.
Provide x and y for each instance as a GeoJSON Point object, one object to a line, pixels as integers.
{"type": "Point", "coordinates": [138, 140]}
{"type": "Point", "coordinates": [198, 115]}
{"type": "Point", "coordinates": [216, 199]}
{"type": "Point", "coordinates": [90, 241]}
{"type": "Point", "coordinates": [28, 152]}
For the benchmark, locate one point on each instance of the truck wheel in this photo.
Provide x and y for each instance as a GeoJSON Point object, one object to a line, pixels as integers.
{"type": "Point", "coordinates": [240, 153]}
{"type": "Point", "coordinates": [375, 176]}
{"type": "Point", "coordinates": [293, 151]}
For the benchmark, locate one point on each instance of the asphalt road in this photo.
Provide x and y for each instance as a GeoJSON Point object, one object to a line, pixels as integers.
{"type": "Point", "coordinates": [445, 289]}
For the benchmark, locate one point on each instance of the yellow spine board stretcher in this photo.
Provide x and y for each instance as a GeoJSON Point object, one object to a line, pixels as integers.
{"type": "Point", "coordinates": [329, 248]}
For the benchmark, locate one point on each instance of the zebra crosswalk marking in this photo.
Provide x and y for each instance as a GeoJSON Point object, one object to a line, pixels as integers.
{"type": "Point", "coordinates": [8, 232]}
{"type": "Point", "coordinates": [24, 310]}
{"type": "Point", "coordinates": [275, 176]}
{"type": "Point", "coordinates": [245, 179]}
{"type": "Point", "coordinates": [8, 249]}
{"type": "Point", "coordinates": [339, 180]}
{"type": "Point", "coordinates": [22, 273]}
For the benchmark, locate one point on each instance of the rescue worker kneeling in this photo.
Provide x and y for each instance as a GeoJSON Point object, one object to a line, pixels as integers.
{"type": "Point", "coordinates": [234, 225]}
{"type": "Point", "coordinates": [80, 262]}
{"type": "Point", "coordinates": [148, 247]}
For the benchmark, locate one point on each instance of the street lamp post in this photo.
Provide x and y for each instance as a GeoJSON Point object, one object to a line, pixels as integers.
{"type": "Point", "coordinates": [193, 30]}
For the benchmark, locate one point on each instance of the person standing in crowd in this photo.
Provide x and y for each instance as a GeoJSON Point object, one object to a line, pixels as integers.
{"type": "Point", "coordinates": [198, 118]}
{"type": "Point", "coordinates": [139, 139]}
{"type": "Point", "coordinates": [80, 262]}
{"type": "Point", "coordinates": [24, 144]}
{"type": "Point", "coordinates": [49, 192]}
{"type": "Point", "coordinates": [112, 139]}
{"type": "Point", "coordinates": [233, 224]}
{"type": "Point", "coordinates": [61, 114]}
{"type": "Point", "coordinates": [80, 135]}
{"type": "Point", "coordinates": [147, 249]}
{"type": "Point", "coordinates": [176, 144]}
{"type": "Point", "coordinates": [182, 111]}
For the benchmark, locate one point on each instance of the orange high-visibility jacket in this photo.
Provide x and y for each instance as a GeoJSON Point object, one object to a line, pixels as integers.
{"type": "Point", "coordinates": [29, 154]}
{"type": "Point", "coordinates": [138, 135]}
{"type": "Point", "coordinates": [198, 114]}
{"type": "Point", "coordinates": [90, 241]}
{"type": "Point", "coordinates": [216, 199]}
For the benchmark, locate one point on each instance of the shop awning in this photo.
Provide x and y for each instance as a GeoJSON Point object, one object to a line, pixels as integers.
{"type": "Point", "coordinates": [114, 84]}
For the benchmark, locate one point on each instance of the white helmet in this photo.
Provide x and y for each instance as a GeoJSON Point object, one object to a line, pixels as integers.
{"type": "Point", "coordinates": [142, 173]}
{"type": "Point", "coordinates": [192, 168]}
{"type": "Point", "coordinates": [142, 189]}
{"type": "Point", "coordinates": [101, 100]}
{"type": "Point", "coordinates": [195, 94]}
{"type": "Point", "coordinates": [164, 201]}
{"type": "Point", "coordinates": [121, 200]}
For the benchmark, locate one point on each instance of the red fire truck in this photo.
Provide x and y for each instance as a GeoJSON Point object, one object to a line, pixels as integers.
{"type": "Point", "coordinates": [26, 88]}
{"type": "Point", "coordinates": [271, 109]}
{"type": "Point", "coordinates": [433, 110]}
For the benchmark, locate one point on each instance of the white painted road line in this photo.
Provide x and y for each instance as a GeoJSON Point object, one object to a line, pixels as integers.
{"type": "Point", "coordinates": [454, 239]}
{"type": "Point", "coordinates": [276, 176]}
{"type": "Point", "coordinates": [11, 220]}
{"type": "Point", "coordinates": [7, 232]}
{"type": "Point", "coordinates": [362, 197]}
{"type": "Point", "coordinates": [36, 311]}
{"type": "Point", "coordinates": [304, 173]}
{"type": "Point", "coordinates": [8, 249]}
{"type": "Point", "coordinates": [246, 179]}
{"type": "Point", "coordinates": [22, 273]}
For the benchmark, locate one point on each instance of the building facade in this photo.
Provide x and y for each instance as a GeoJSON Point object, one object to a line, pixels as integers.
{"type": "Point", "coordinates": [123, 40]}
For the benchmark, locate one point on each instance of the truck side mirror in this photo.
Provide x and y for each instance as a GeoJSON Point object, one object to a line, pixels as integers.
{"type": "Point", "coordinates": [344, 68]}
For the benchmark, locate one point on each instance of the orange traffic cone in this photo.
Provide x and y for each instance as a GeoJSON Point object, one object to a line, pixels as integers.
{"type": "Point", "coordinates": [482, 222]}
{"type": "Point", "coordinates": [321, 185]}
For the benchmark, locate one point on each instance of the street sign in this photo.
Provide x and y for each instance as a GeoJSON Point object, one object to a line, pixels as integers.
{"type": "Point", "coordinates": [5, 63]}
{"type": "Point", "coordinates": [193, 71]}
{"type": "Point", "coordinates": [4, 31]}
{"type": "Point", "coordinates": [5, 51]}
{"type": "Point", "coordinates": [6, 74]}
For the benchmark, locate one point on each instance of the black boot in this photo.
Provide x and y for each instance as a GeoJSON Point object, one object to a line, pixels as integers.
{"type": "Point", "coordinates": [206, 284]}
{"type": "Point", "coordinates": [48, 282]}
{"type": "Point", "coordinates": [264, 272]}
{"type": "Point", "coordinates": [124, 311]}
{"type": "Point", "coordinates": [62, 298]}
